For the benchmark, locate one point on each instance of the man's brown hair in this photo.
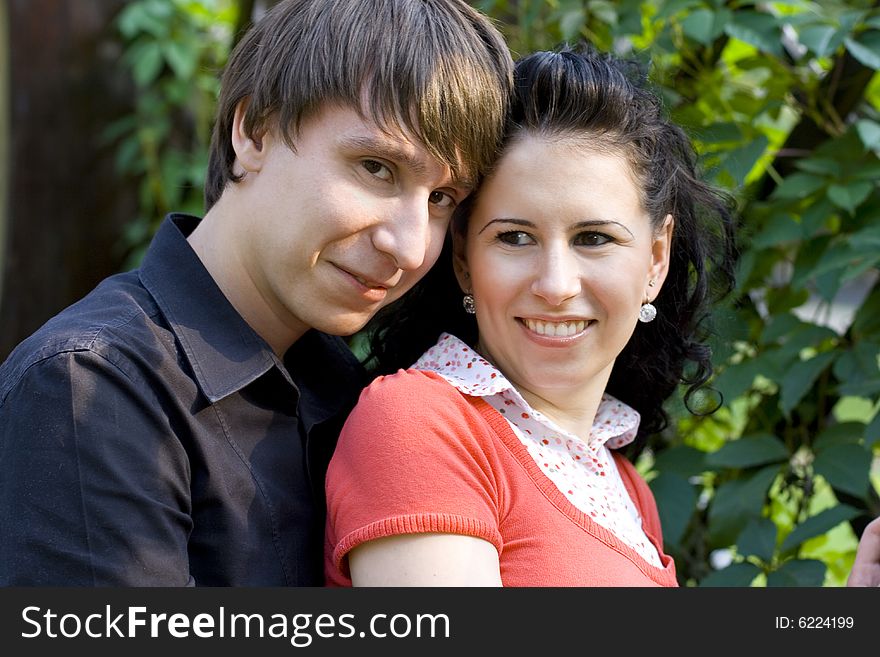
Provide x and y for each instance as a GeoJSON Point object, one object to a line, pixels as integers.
{"type": "Point", "coordinates": [437, 69]}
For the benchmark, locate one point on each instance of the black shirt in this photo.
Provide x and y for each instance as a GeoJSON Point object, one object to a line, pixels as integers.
{"type": "Point", "coordinates": [148, 436]}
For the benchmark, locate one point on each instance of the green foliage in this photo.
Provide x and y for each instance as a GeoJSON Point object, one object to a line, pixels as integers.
{"type": "Point", "coordinates": [783, 104]}
{"type": "Point", "coordinates": [174, 51]}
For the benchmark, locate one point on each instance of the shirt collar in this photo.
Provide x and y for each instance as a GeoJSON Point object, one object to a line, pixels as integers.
{"type": "Point", "coordinates": [225, 353]}
{"type": "Point", "coordinates": [328, 375]}
{"type": "Point", "coordinates": [615, 423]}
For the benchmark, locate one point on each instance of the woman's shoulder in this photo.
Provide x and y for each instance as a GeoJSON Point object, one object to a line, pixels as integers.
{"type": "Point", "coordinates": [411, 402]}
{"type": "Point", "coordinates": [410, 388]}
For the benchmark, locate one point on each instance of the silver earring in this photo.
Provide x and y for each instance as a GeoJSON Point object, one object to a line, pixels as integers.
{"type": "Point", "coordinates": [647, 312]}
{"type": "Point", "coordinates": [470, 306]}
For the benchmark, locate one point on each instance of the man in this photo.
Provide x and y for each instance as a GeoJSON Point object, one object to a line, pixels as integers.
{"type": "Point", "coordinates": [173, 427]}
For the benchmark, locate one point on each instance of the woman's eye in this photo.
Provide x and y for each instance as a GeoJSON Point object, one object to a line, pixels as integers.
{"type": "Point", "coordinates": [592, 239]}
{"type": "Point", "coordinates": [515, 238]}
{"type": "Point", "coordinates": [441, 199]}
{"type": "Point", "coordinates": [377, 169]}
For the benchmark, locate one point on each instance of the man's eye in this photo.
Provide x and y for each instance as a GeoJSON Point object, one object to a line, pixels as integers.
{"type": "Point", "coordinates": [377, 169]}
{"type": "Point", "coordinates": [441, 199]}
{"type": "Point", "coordinates": [592, 239]}
{"type": "Point", "coordinates": [515, 237]}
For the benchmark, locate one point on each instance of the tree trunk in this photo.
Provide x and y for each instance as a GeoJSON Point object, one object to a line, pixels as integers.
{"type": "Point", "coordinates": [65, 208]}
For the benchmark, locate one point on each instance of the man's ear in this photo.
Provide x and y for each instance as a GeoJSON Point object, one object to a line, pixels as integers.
{"type": "Point", "coordinates": [249, 151]}
{"type": "Point", "coordinates": [459, 262]}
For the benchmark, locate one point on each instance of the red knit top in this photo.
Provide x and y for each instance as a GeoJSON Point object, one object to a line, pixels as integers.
{"type": "Point", "coordinates": [418, 456]}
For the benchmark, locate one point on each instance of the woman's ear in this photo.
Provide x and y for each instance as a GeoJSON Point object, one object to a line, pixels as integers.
{"type": "Point", "coordinates": [249, 150]}
{"type": "Point", "coordinates": [661, 251]}
{"type": "Point", "coordinates": [459, 262]}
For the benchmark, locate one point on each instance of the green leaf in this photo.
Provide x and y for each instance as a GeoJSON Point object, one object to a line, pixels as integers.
{"type": "Point", "coordinates": [756, 28]}
{"type": "Point", "coordinates": [772, 364]}
{"type": "Point", "coordinates": [869, 257]}
{"type": "Point", "coordinates": [758, 539]}
{"type": "Point", "coordinates": [801, 337]}
{"type": "Point", "coordinates": [786, 298]}
{"type": "Point", "coordinates": [740, 161]}
{"type": "Point", "coordinates": [841, 254]}
{"type": "Point", "coordinates": [866, 49]}
{"type": "Point", "coordinates": [571, 23]}
{"type": "Point", "coordinates": [604, 10]}
{"type": "Point", "coordinates": [858, 364]}
{"type": "Point", "coordinates": [779, 326]}
{"type": "Point", "coordinates": [797, 186]}
{"type": "Point", "coordinates": [821, 165]}
{"type": "Point", "coordinates": [780, 229]}
{"type": "Point", "coordinates": [798, 572]}
{"type": "Point", "coordinates": [699, 25]}
{"type": "Point", "coordinates": [629, 14]}
{"type": "Point", "coordinates": [846, 468]}
{"type": "Point", "coordinates": [815, 218]}
{"type": "Point", "coordinates": [801, 377]}
{"type": "Point", "coordinates": [736, 502]}
{"type": "Point", "coordinates": [735, 575]}
{"type": "Point", "coordinates": [736, 379]}
{"type": "Point", "coordinates": [676, 503]}
{"type": "Point", "coordinates": [138, 17]}
{"type": "Point", "coordinates": [182, 57]}
{"type": "Point", "coordinates": [673, 7]}
{"type": "Point", "coordinates": [866, 238]}
{"type": "Point", "coordinates": [748, 452]}
{"type": "Point", "coordinates": [822, 40]}
{"type": "Point", "coordinates": [147, 64]}
{"type": "Point", "coordinates": [872, 432]}
{"type": "Point", "coordinates": [821, 523]}
{"type": "Point", "coordinates": [843, 433]}
{"type": "Point", "coordinates": [868, 170]}
{"type": "Point", "coordinates": [869, 133]}
{"type": "Point", "coordinates": [867, 320]}
{"type": "Point", "coordinates": [862, 389]}
{"type": "Point", "coordinates": [681, 460]}
{"type": "Point", "coordinates": [851, 195]}
{"type": "Point", "coordinates": [848, 19]}
{"type": "Point", "coordinates": [828, 283]}
{"type": "Point", "coordinates": [721, 133]}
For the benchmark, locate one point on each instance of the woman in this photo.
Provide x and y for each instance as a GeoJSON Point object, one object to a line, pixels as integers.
{"type": "Point", "coordinates": [588, 258]}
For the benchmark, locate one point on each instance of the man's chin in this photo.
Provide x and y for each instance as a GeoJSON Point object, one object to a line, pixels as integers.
{"type": "Point", "coordinates": [344, 327]}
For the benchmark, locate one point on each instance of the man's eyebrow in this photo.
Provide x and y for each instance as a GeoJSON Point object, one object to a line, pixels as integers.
{"type": "Point", "coordinates": [389, 151]}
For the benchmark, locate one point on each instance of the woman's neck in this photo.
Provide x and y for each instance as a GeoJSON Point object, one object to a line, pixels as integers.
{"type": "Point", "coordinates": [572, 409]}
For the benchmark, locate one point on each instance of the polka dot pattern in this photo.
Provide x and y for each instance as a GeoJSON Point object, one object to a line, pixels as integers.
{"type": "Point", "coordinates": [582, 470]}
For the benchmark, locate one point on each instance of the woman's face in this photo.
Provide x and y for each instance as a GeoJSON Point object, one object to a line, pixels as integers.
{"type": "Point", "coordinates": [559, 255]}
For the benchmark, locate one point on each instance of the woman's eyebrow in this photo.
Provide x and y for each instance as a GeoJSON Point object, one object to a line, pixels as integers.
{"type": "Point", "coordinates": [593, 223]}
{"type": "Point", "coordinates": [590, 223]}
{"type": "Point", "coordinates": [508, 220]}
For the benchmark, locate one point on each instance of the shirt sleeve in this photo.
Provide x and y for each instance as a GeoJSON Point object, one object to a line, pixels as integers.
{"type": "Point", "coordinates": [95, 485]}
{"type": "Point", "coordinates": [413, 457]}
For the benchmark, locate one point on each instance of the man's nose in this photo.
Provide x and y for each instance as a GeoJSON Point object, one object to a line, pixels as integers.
{"type": "Point", "coordinates": [403, 236]}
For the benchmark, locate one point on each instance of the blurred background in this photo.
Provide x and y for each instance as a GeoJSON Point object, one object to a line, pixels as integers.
{"type": "Point", "coordinates": [105, 117]}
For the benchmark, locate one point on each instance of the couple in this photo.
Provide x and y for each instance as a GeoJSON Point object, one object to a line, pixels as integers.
{"type": "Point", "coordinates": [175, 426]}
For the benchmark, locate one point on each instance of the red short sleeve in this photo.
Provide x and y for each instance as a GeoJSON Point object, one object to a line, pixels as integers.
{"type": "Point", "coordinates": [413, 457]}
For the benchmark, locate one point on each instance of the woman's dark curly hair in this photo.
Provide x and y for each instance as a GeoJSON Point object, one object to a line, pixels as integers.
{"type": "Point", "coordinates": [603, 102]}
